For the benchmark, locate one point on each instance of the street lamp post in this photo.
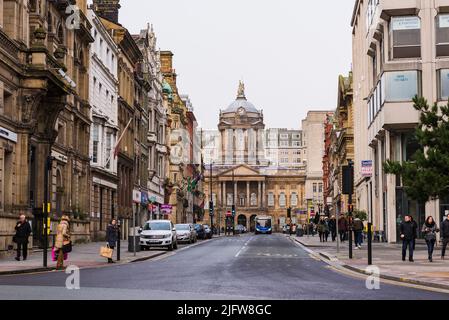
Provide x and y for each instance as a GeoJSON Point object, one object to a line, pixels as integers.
{"type": "Point", "coordinates": [211, 204]}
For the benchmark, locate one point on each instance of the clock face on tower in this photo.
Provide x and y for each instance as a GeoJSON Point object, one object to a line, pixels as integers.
{"type": "Point", "coordinates": [241, 111]}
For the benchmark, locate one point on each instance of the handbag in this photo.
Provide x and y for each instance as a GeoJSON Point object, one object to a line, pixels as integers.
{"type": "Point", "coordinates": [54, 254]}
{"type": "Point", "coordinates": [67, 248]}
{"type": "Point", "coordinates": [106, 252]}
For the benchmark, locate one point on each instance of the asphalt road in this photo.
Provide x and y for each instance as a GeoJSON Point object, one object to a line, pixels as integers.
{"type": "Point", "coordinates": [247, 267]}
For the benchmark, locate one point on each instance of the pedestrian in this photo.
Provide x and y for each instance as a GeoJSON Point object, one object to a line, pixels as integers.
{"type": "Point", "coordinates": [408, 233]}
{"type": "Point", "coordinates": [327, 230]}
{"type": "Point", "coordinates": [430, 230]}
{"type": "Point", "coordinates": [321, 228]}
{"type": "Point", "coordinates": [333, 228]}
{"type": "Point", "coordinates": [112, 236]}
{"type": "Point", "coordinates": [23, 232]}
{"type": "Point", "coordinates": [342, 228]}
{"type": "Point", "coordinates": [62, 239]}
{"type": "Point", "coordinates": [445, 236]}
{"type": "Point", "coordinates": [358, 233]}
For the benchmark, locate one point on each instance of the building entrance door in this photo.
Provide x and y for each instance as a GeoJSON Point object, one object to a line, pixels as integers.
{"type": "Point", "coordinates": [252, 223]}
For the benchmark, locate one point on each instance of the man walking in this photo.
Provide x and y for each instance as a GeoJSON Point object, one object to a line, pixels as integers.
{"type": "Point", "coordinates": [23, 232]}
{"type": "Point", "coordinates": [358, 232]}
{"type": "Point", "coordinates": [342, 228]}
{"type": "Point", "coordinates": [445, 236]}
{"type": "Point", "coordinates": [408, 232]}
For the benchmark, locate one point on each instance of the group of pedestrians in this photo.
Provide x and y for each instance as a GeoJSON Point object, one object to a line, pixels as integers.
{"type": "Point", "coordinates": [63, 243]}
{"type": "Point", "coordinates": [328, 227]}
{"type": "Point", "coordinates": [430, 230]}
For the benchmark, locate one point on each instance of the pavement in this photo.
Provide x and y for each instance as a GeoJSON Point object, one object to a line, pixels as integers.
{"type": "Point", "coordinates": [388, 258]}
{"type": "Point", "coordinates": [248, 267]}
{"type": "Point", "coordinates": [83, 256]}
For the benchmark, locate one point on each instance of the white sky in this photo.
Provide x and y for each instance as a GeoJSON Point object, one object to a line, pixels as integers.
{"type": "Point", "coordinates": [288, 52]}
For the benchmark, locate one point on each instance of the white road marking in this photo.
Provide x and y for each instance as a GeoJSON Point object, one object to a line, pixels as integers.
{"type": "Point", "coordinates": [245, 246]}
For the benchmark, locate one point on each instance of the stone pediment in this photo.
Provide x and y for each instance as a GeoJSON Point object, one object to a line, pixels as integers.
{"type": "Point", "coordinates": [242, 170]}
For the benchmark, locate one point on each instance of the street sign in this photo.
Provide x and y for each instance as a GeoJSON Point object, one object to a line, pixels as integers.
{"type": "Point", "coordinates": [367, 168]}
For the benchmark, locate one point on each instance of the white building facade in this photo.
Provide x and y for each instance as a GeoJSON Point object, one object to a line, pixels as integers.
{"type": "Point", "coordinates": [400, 49]}
{"type": "Point", "coordinates": [313, 147]}
{"type": "Point", "coordinates": [103, 93]}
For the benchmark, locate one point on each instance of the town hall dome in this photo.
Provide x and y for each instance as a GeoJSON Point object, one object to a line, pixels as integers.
{"type": "Point", "coordinates": [241, 103]}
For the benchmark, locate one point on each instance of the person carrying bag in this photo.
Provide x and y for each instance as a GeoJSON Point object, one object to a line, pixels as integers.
{"type": "Point", "coordinates": [111, 238]}
{"type": "Point", "coordinates": [63, 245]}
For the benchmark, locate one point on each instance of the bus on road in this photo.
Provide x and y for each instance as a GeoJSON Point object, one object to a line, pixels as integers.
{"type": "Point", "coordinates": [264, 225]}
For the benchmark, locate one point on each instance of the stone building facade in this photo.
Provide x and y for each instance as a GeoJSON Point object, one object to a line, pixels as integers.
{"type": "Point", "coordinates": [339, 148]}
{"type": "Point", "coordinates": [103, 84]}
{"type": "Point", "coordinates": [313, 141]}
{"type": "Point", "coordinates": [44, 114]}
{"type": "Point", "coordinates": [157, 127]}
{"type": "Point", "coordinates": [400, 49]}
{"type": "Point", "coordinates": [176, 194]}
{"type": "Point", "coordinates": [130, 110]}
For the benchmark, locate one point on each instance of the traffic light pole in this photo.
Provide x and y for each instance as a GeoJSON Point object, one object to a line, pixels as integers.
{"type": "Point", "coordinates": [211, 204]}
{"type": "Point", "coordinates": [351, 208]}
{"type": "Point", "coordinates": [48, 164]}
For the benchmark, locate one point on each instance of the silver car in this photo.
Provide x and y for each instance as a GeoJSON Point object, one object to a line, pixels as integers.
{"type": "Point", "coordinates": [186, 233]}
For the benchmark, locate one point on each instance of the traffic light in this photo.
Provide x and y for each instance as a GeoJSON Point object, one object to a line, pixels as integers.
{"type": "Point", "coordinates": [233, 210]}
{"type": "Point", "coordinates": [289, 213]}
{"type": "Point", "coordinates": [211, 208]}
{"type": "Point", "coordinates": [351, 208]}
{"type": "Point", "coordinates": [348, 180]}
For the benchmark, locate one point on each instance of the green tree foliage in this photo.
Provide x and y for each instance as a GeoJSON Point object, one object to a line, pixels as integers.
{"type": "Point", "coordinates": [426, 175]}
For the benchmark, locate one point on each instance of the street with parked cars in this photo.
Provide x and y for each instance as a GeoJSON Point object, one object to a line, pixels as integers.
{"type": "Point", "coordinates": [164, 234]}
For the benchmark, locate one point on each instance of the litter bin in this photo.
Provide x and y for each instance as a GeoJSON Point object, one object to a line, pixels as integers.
{"type": "Point", "coordinates": [131, 243]}
{"type": "Point", "coordinates": [299, 232]}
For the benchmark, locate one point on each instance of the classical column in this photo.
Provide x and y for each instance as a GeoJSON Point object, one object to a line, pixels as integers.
{"type": "Point", "coordinates": [248, 195]}
{"type": "Point", "coordinates": [224, 195]}
{"type": "Point", "coordinates": [235, 193]}
{"type": "Point", "coordinates": [220, 195]}
{"type": "Point", "coordinates": [259, 195]}
{"type": "Point", "coordinates": [263, 194]}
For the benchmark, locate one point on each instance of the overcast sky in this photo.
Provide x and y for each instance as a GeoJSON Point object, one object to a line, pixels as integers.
{"type": "Point", "coordinates": [288, 52]}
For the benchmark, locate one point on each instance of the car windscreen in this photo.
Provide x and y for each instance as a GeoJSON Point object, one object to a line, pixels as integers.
{"type": "Point", "coordinates": [184, 227]}
{"type": "Point", "coordinates": [264, 223]}
{"type": "Point", "coordinates": [157, 226]}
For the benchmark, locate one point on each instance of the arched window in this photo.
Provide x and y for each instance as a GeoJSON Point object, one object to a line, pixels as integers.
{"type": "Point", "coordinates": [253, 199]}
{"type": "Point", "coordinates": [282, 200]}
{"type": "Point", "coordinates": [33, 5]}
{"type": "Point", "coordinates": [242, 200]}
{"type": "Point", "coordinates": [50, 22]}
{"type": "Point", "coordinates": [294, 199]}
{"type": "Point", "coordinates": [61, 34]}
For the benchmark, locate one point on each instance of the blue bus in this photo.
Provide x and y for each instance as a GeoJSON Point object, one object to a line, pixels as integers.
{"type": "Point", "coordinates": [264, 225]}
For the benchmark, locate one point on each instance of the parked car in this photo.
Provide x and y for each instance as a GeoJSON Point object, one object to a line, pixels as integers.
{"type": "Point", "coordinates": [207, 231]}
{"type": "Point", "coordinates": [240, 229]}
{"type": "Point", "coordinates": [186, 233]}
{"type": "Point", "coordinates": [158, 234]}
{"type": "Point", "coordinates": [200, 231]}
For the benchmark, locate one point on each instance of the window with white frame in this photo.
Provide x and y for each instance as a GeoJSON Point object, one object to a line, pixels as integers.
{"type": "Point", "coordinates": [401, 86]}
{"type": "Point", "coordinates": [444, 84]}
{"type": "Point", "coordinates": [442, 35]}
{"type": "Point", "coordinates": [294, 200]}
{"type": "Point", "coordinates": [405, 32]}
{"type": "Point", "coordinates": [95, 142]}
{"type": "Point", "coordinates": [108, 150]}
{"type": "Point", "coordinates": [271, 199]}
{"type": "Point", "coordinates": [282, 200]}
